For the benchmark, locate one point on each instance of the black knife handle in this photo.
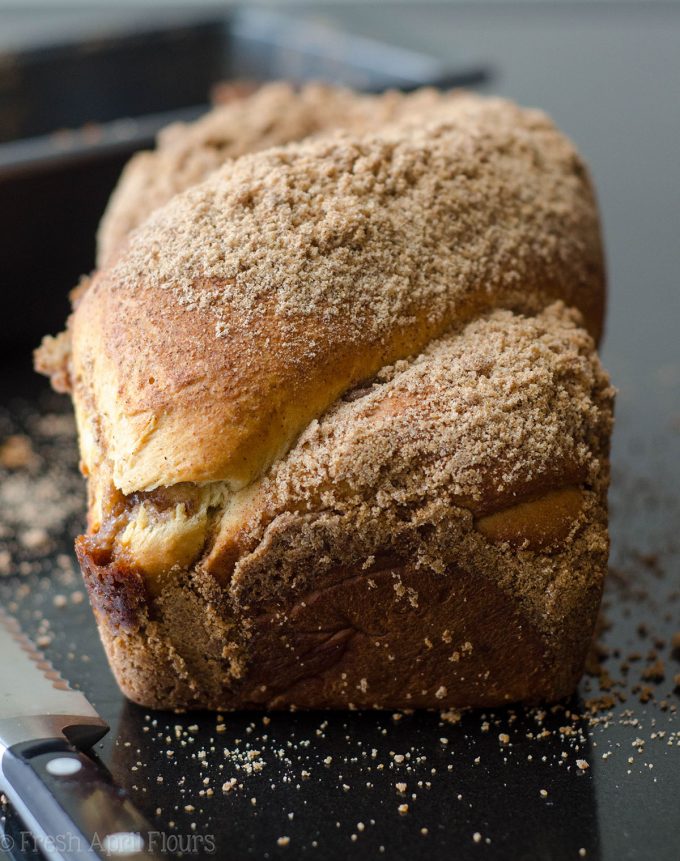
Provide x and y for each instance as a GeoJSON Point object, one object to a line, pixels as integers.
{"type": "Point", "coordinates": [72, 811]}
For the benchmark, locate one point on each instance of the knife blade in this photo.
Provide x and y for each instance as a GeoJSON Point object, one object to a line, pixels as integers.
{"type": "Point", "coordinates": [71, 808]}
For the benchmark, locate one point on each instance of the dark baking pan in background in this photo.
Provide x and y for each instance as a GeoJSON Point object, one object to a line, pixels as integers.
{"type": "Point", "coordinates": [72, 114]}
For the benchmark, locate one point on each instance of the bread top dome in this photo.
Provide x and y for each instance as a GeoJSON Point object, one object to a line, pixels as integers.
{"type": "Point", "coordinates": [274, 114]}
{"type": "Point", "coordinates": [244, 307]}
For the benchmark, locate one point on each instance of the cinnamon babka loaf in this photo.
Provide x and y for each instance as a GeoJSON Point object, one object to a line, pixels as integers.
{"type": "Point", "coordinates": [340, 409]}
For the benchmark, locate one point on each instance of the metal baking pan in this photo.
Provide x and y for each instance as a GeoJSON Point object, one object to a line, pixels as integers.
{"type": "Point", "coordinates": [72, 114]}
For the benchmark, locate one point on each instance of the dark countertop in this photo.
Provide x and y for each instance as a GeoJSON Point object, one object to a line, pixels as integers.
{"type": "Point", "coordinates": [610, 76]}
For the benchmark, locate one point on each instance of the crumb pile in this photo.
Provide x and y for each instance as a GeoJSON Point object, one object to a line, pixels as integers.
{"type": "Point", "coordinates": [41, 493]}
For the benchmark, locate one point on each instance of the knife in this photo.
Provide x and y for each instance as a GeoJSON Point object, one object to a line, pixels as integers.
{"type": "Point", "coordinates": [71, 808]}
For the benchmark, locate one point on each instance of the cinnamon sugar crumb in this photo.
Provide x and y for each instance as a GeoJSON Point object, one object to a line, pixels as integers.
{"type": "Point", "coordinates": [275, 114]}
{"type": "Point", "coordinates": [16, 452]}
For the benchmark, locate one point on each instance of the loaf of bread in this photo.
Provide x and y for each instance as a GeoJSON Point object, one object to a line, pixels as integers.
{"type": "Point", "coordinates": [341, 412]}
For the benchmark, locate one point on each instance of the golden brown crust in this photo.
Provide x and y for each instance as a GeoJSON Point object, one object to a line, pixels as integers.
{"type": "Point", "coordinates": [246, 306]}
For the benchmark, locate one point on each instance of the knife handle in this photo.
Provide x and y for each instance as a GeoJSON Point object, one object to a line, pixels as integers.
{"type": "Point", "coordinates": [73, 812]}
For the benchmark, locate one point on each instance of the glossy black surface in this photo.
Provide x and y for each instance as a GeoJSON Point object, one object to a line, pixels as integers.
{"type": "Point", "coordinates": [610, 76]}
